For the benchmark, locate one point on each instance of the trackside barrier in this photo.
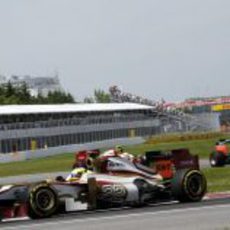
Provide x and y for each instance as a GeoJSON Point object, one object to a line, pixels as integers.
{"type": "Point", "coordinates": [22, 156]}
{"type": "Point", "coordinates": [183, 137]}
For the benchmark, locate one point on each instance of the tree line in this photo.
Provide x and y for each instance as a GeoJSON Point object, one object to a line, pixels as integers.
{"type": "Point", "coordinates": [20, 94]}
{"type": "Point", "coordinates": [10, 94]}
{"type": "Point", "coordinates": [100, 96]}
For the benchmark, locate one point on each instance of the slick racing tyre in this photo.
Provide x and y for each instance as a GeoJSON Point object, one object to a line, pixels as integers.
{"type": "Point", "coordinates": [217, 159]}
{"type": "Point", "coordinates": [189, 185]}
{"type": "Point", "coordinates": [43, 201]}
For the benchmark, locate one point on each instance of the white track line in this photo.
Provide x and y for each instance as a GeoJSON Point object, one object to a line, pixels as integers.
{"type": "Point", "coordinates": [66, 222]}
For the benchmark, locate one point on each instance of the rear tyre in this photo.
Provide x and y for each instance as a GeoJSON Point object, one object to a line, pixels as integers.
{"type": "Point", "coordinates": [217, 159]}
{"type": "Point", "coordinates": [43, 201]}
{"type": "Point", "coordinates": [189, 185]}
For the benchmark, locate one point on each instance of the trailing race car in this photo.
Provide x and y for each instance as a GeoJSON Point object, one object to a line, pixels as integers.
{"type": "Point", "coordinates": [221, 156]}
{"type": "Point", "coordinates": [115, 182]}
{"type": "Point", "coordinates": [85, 158]}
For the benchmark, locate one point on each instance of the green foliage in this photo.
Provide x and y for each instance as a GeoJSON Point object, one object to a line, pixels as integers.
{"type": "Point", "coordinates": [40, 99]}
{"type": "Point", "coordinates": [58, 97]}
{"type": "Point", "coordinates": [10, 94]}
{"type": "Point", "coordinates": [9, 90]}
{"type": "Point", "coordinates": [89, 100]}
{"type": "Point", "coordinates": [101, 96]}
{"type": "Point", "coordinates": [23, 93]}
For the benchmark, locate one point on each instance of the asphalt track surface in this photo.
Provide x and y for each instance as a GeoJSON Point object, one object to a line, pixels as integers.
{"type": "Point", "coordinates": [205, 215]}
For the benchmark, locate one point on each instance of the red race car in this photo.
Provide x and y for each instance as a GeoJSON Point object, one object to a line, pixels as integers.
{"type": "Point", "coordinates": [221, 155]}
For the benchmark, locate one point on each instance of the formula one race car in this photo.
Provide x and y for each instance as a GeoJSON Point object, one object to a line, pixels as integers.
{"type": "Point", "coordinates": [221, 156]}
{"type": "Point", "coordinates": [117, 182]}
{"type": "Point", "coordinates": [85, 158]}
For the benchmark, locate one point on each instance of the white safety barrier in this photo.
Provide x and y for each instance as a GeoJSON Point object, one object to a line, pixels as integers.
{"type": "Point", "coordinates": [27, 155]}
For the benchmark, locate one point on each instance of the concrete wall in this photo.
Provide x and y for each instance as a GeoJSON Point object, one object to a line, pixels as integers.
{"type": "Point", "coordinates": [22, 156]}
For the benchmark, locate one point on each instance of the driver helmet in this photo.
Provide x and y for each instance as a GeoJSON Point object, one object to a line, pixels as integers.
{"type": "Point", "coordinates": [77, 173]}
{"type": "Point", "coordinates": [119, 149]}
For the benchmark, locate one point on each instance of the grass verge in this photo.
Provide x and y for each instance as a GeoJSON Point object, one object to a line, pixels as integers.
{"type": "Point", "coordinates": [61, 162]}
{"type": "Point", "coordinates": [217, 179]}
{"type": "Point", "coordinates": [64, 162]}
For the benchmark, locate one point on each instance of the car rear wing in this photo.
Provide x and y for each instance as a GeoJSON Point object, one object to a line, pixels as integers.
{"type": "Point", "coordinates": [182, 159]}
{"type": "Point", "coordinates": [165, 163]}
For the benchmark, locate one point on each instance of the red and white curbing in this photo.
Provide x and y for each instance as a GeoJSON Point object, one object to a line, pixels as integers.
{"type": "Point", "coordinates": [217, 195]}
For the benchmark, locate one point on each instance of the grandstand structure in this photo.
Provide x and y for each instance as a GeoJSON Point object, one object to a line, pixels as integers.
{"type": "Point", "coordinates": [34, 131]}
{"type": "Point", "coordinates": [172, 116]}
{"type": "Point", "coordinates": [38, 127]}
{"type": "Point", "coordinates": [218, 105]}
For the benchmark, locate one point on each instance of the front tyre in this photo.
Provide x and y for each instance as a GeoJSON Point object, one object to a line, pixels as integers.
{"type": "Point", "coordinates": [217, 159]}
{"type": "Point", "coordinates": [189, 185]}
{"type": "Point", "coordinates": [43, 201]}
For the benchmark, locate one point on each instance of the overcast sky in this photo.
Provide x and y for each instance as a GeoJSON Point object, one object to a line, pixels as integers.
{"type": "Point", "coordinates": [171, 49]}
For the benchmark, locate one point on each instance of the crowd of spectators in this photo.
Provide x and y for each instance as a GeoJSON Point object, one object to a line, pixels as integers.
{"type": "Point", "coordinates": [120, 97]}
{"type": "Point", "coordinates": [117, 95]}
{"type": "Point", "coordinates": [173, 116]}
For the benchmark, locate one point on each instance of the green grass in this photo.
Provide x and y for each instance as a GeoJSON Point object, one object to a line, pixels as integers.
{"type": "Point", "coordinates": [64, 162]}
{"type": "Point", "coordinates": [218, 179]}
{"type": "Point", "coordinates": [200, 147]}
{"type": "Point", "coordinates": [61, 162]}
